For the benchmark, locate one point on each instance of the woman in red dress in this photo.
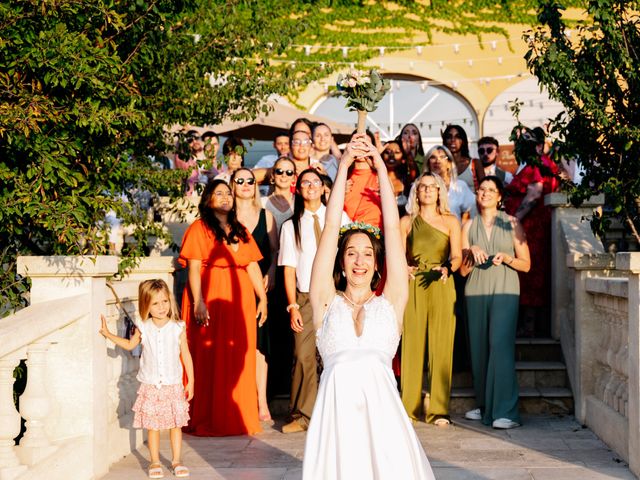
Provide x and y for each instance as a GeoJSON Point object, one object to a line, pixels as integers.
{"type": "Point", "coordinates": [219, 307]}
{"type": "Point", "coordinates": [525, 200]}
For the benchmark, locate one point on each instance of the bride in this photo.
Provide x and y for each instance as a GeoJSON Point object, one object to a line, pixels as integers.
{"type": "Point", "coordinates": [359, 428]}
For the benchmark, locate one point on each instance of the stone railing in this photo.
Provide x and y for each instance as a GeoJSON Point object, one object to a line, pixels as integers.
{"type": "Point", "coordinates": [79, 388]}
{"type": "Point", "coordinates": [596, 316]}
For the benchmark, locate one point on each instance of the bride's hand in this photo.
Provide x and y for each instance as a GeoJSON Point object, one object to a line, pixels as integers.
{"type": "Point", "coordinates": [354, 150]}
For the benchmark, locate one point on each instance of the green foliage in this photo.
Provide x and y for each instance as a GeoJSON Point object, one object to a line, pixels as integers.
{"type": "Point", "coordinates": [595, 73]}
{"type": "Point", "coordinates": [87, 89]}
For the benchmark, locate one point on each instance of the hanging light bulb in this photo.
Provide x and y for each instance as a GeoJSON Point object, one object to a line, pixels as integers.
{"type": "Point", "coordinates": [322, 65]}
{"type": "Point", "coordinates": [454, 84]}
{"type": "Point", "coordinates": [494, 44]}
{"type": "Point", "coordinates": [307, 50]}
{"type": "Point", "coordinates": [292, 65]}
{"type": "Point", "coordinates": [345, 51]}
{"type": "Point", "coordinates": [440, 63]}
{"type": "Point", "coordinates": [411, 65]}
{"type": "Point", "coordinates": [381, 50]}
{"type": "Point", "coordinates": [352, 65]}
{"type": "Point", "coordinates": [419, 49]}
{"type": "Point", "coordinates": [499, 60]}
{"type": "Point", "coordinates": [423, 86]}
{"type": "Point", "coordinates": [456, 48]}
{"type": "Point", "coordinates": [470, 63]}
{"type": "Point", "coordinates": [325, 86]}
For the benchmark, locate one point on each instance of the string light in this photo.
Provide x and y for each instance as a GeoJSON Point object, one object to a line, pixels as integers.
{"type": "Point", "coordinates": [381, 50]}
{"type": "Point", "coordinates": [456, 48]}
{"type": "Point", "coordinates": [345, 51]}
{"type": "Point", "coordinates": [307, 50]}
{"type": "Point", "coordinates": [419, 48]}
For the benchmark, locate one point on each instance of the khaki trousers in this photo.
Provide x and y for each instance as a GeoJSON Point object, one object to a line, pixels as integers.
{"type": "Point", "coordinates": [304, 384]}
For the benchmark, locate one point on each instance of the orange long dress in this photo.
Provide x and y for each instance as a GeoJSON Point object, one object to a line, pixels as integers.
{"type": "Point", "coordinates": [225, 401]}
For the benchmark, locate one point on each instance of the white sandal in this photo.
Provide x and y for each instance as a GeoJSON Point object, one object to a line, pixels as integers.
{"type": "Point", "coordinates": [180, 470]}
{"type": "Point", "coordinates": [155, 470]}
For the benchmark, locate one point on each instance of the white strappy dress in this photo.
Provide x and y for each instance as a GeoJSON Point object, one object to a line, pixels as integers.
{"type": "Point", "coordinates": [359, 428]}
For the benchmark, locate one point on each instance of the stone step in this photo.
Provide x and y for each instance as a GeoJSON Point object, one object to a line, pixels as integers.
{"type": "Point", "coordinates": [538, 349]}
{"type": "Point", "coordinates": [530, 374]}
{"type": "Point", "coordinates": [542, 400]}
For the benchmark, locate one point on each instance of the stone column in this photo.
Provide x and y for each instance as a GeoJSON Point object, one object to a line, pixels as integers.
{"type": "Point", "coordinates": [588, 326]}
{"type": "Point", "coordinates": [570, 234]}
{"type": "Point", "coordinates": [35, 407]}
{"type": "Point", "coordinates": [630, 262]}
{"type": "Point", "coordinates": [10, 466]}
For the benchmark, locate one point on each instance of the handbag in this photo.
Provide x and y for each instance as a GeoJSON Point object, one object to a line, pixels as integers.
{"type": "Point", "coordinates": [129, 326]}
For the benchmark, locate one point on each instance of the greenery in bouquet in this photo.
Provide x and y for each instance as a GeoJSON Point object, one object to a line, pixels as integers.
{"type": "Point", "coordinates": [363, 90]}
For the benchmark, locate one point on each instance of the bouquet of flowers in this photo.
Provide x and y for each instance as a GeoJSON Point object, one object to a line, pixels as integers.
{"type": "Point", "coordinates": [363, 92]}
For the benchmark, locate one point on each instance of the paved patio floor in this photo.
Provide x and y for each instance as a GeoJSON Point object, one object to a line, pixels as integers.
{"type": "Point", "coordinates": [552, 447]}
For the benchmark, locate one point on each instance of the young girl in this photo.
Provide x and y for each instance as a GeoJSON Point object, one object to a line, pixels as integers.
{"type": "Point", "coordinates": [162, 400]}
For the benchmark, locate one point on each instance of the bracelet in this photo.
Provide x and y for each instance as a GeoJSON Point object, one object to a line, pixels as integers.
{"type": "Point", "coordinates": [292, 305]}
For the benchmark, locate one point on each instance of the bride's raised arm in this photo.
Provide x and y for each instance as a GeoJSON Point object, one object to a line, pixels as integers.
{"type": "Point", "coordinates": [396, 287]}
{"type": "Point", "coordinates": [322, 289]}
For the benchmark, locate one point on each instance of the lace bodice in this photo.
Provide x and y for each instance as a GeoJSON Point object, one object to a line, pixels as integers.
{"type": "Point", "coordinates": [380, 331]}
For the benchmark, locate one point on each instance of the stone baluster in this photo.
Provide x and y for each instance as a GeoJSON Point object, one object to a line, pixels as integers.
{"type": "Point", "coordinates": [10, 466]}
{"type": "Point", "coordinates": [35, 407]}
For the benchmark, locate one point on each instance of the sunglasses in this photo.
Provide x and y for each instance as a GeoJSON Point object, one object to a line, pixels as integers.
{"type": "Point", "coordinates": [279, 171]}
{"type": "Point", "coordinates": [488, 150]}
{"type": "Point", "coordinates": [240, 181]}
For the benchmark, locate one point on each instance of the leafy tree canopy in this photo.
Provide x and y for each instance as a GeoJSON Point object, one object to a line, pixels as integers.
{"type": "Point", "coordinates": [595, 74]}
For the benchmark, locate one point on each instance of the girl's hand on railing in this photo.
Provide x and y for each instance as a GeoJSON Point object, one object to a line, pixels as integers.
{"type": "Point", "coordinates": [104, 330]}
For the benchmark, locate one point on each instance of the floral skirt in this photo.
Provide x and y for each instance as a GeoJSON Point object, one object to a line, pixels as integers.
{"type": "Point", "coordinates": [160, 408]}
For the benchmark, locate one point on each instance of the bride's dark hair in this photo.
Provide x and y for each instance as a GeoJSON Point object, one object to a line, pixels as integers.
{"type": "Point", "coordinates": [340, 280]}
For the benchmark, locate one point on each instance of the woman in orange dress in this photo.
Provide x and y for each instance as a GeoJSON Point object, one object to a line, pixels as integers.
{"type": "Point", "coordinates": [219, 307]}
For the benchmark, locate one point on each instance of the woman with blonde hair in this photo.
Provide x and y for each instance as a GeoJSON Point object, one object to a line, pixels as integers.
{"type": "Point", "coordinates": [264, 231]}
{"type": "Point", "coordinates": [433, 249]}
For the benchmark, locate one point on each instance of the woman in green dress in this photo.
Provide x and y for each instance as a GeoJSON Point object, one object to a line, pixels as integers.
{"type": "Point", "coordinates": [433, 248]}
{"type": "Point", "coordinates": [495, 249]}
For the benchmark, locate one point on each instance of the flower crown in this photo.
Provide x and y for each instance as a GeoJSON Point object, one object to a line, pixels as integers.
{"type": "Point", "coordinates": [375, 231]}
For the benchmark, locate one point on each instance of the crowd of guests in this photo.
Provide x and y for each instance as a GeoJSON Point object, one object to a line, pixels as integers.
{"type": "Point", "coordinates": [250, 253]}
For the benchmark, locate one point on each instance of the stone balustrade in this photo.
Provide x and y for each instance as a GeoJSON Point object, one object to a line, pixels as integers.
{"type": "Point", "coordinates": [596, 316]}
{"type": "Point", "coordinates": [80, 388]}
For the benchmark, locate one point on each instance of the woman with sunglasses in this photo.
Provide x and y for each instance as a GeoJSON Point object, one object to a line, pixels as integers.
{"type": "Point", "coordinates": [282, 179]}
{"type": "Point", "coordinates": [220, 309]}
{"type": "Point", "coordinates": [263, 229]}
{"type": "Point", "coordinates": [280, 203]}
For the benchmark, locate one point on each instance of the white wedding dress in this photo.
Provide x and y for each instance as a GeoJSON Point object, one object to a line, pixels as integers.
{"type": "Point", "coordinates": [359, 428]}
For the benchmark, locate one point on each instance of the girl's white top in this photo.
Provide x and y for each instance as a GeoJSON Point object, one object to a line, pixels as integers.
{"type": "Point", "coordinates": [160, 361]}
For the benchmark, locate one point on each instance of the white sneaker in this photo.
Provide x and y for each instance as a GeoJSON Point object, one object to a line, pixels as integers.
{"type": "Point", "coordinates": [474, 414]}
{"type": "Point", "coordinates": [505, 423]}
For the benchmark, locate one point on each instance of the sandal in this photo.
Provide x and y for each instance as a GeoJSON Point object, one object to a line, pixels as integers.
{"type": "Point", "coordinates": [155, 470]}
{"type": "Point", "coordinates": [179, 470]}
{"type": "Point", "coordinates": [442, 422]}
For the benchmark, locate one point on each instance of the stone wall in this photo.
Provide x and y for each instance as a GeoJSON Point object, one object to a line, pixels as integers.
{"type": "Point", "coordinates": [80, 388]}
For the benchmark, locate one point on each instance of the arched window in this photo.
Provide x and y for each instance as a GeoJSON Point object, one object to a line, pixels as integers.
{"type": "Point", "coordinates": [410, 100]}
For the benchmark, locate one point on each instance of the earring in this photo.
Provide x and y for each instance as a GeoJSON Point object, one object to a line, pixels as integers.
{"type": "Point", "coordinates": [343, 274]}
